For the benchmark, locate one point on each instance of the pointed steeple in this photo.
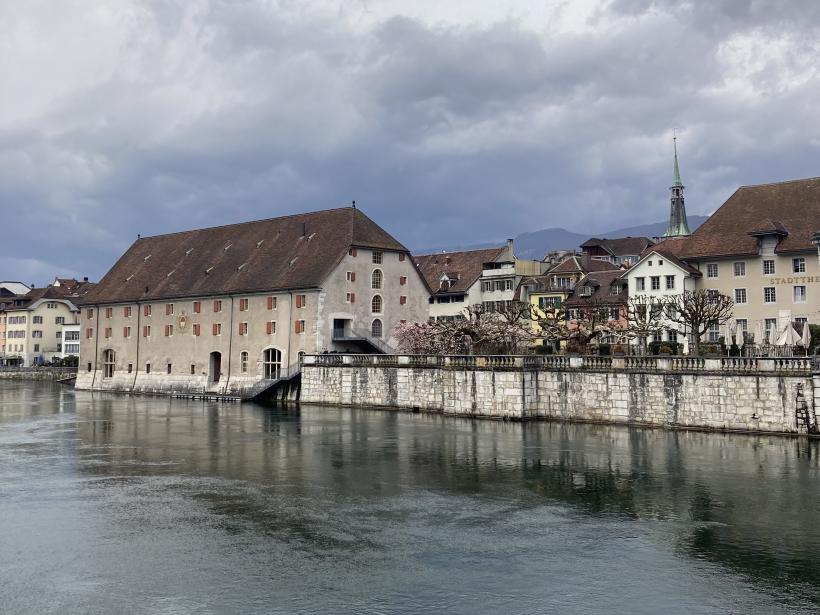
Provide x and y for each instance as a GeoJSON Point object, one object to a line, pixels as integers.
{"type": "Point", "coordinates": [676, 182]}
{"type": "Point", "coordinates": [678, 224]}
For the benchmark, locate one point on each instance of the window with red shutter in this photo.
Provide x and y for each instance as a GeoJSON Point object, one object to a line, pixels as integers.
{"type": "Point", "coordinates": [125, 331]}
{"type": "Point", "coordinates": [146, 310]}
{"type": "Point", "coordinates": [352, 276]}
{"type": "Point", "coordinates": [197, 307]}
{"type": "Point", "coordinates": [90, 313]}
{"type": "Point", "coordinates": [401, 256]}
{"type": "Point", "coordinates": [269, 327]}
{"type": "Point", "coordinates": [352, 297]}
{"type": "Point", "coordinates": [353, 252]}
{"type": "Point", "coordinates": [196, 329]}
{"type": "Point", "coordinates": [270, 303]}
{"type": "Point", "coordinates": [215, 329]}
{"type": "Point", "coordinates": [145, 331]}
{"type": "Point", "coordinates": [403, 280]}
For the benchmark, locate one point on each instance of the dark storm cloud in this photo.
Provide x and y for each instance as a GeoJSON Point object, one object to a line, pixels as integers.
{"type": "Point", "coordinates": [167, 116]}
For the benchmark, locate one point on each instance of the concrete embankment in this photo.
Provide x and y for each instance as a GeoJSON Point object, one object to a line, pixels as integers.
{"type": "Point", "coordinates": [765, 395]}
{"type": "Point", "coordinates": [38, 373]}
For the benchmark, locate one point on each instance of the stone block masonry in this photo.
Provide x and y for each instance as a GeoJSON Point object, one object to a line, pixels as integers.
{"type": "Point", "coordinates": [718, 394]}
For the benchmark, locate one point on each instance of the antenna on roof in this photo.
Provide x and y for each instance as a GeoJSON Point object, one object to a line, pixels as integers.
{"type": "Point", "coordinates": [354, 204]}
{"type": "Point", "coordinates": [138, 236]}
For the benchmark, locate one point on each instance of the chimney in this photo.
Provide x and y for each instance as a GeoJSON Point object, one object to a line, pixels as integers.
{"type": "Point", "coordinates": [510, 248]}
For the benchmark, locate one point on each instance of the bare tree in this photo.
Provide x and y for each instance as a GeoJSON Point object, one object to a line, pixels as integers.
{"type": "Point", "coordinates": [699, 310]}
{"type": "Point", "coordinates": [552, 324]}
{"type": "Point", "coordinates": [644, 317]}
{"type": "Point", "coordinates": [593, 320]}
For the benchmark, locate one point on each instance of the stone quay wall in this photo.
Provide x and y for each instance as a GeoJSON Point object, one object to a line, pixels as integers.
{"type": "Point", "coordinates": [768, 395]}
{"type": "Point", "coordinates": [37, 373]}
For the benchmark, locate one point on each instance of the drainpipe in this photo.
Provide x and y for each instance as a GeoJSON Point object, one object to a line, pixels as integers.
{"type": "Point", "coordinates": [230, 345]}
{"type": "Point", "coordinates": [290, 327]}
{"type": "Point", "coordinates": [137, 359]}
{"type": "Point", "coordinates": [96, 345]}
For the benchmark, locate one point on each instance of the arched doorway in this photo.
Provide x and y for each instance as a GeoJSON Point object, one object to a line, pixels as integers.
{"type": "Point", "coordinates": [272, 363]}
{"type": "Point", "coordinates": [215, 366]}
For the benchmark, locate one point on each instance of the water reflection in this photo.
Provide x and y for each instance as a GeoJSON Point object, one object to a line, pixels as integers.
{"type": "Point", "coordinates": [324, 509]}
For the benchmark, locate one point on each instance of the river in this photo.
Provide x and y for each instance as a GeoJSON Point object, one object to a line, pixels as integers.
{"type": "Point", "coordinates": [113, 504]}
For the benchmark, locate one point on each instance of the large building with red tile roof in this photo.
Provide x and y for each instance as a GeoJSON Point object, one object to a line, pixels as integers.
{"type": "Point", "coordinates": [218, 310]}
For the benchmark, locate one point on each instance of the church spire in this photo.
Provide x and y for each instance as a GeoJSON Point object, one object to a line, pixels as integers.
{"type": "Point", "coordinates": [678, 224]}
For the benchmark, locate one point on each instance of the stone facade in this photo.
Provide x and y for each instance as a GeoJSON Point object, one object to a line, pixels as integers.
{"type": "Point", "coordinates": [697, 393]}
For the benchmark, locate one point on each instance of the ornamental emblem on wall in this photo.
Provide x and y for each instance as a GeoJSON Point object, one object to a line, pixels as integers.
{"type": "Point", "coordinates": [182, 321]}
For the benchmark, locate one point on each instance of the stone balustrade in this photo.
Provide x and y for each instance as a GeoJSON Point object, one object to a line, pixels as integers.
{"type": "Point", "coordinates": [647, 364]}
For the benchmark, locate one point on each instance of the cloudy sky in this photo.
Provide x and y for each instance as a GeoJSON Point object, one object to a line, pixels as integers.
{"type": "Point", "coordinates": [448, 121]}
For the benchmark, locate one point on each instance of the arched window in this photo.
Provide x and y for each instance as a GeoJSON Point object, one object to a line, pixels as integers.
{"type": "Point", "coordinates": [272, 363]}
{"type": "Point", "coordinates": [243, 361]}
{"type": "Point", "coordinates": [376, 328]}
{"type": "Point", "coordinates": [108, 364]}
{"type": "Point", "coordinates": [376, 304]}
{"type": "Point", "coordinates": [376, 279]}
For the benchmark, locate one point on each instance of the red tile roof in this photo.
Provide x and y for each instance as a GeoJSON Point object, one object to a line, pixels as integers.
{"type": "Point", "coordinates": [582, 263]}
{"type": "Point", "coordinates": [622, 246]}
{"type": "Point", "coordinates": [291, 252]}
{"type": "Point", "coordinates": [601, 283]}
{"type": "Point", "coordinates": [788, 209]}
{"type": "Point", "coordinates": [466, 266]}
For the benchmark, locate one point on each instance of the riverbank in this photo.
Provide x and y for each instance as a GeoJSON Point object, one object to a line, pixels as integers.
{"type": "Point", "coordinates": [37, 373]}
{"type": "Point", "coordinates": [721, 394]}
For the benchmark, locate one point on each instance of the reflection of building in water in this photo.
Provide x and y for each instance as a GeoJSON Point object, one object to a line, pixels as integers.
{"type": "Point", "coordinates": [743, 501]}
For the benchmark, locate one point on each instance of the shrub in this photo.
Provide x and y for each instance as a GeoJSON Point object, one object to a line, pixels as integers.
{"type": "Point", "coordinates": [618, 349]}
{"type": "Point", "coordinates": [665, 349]}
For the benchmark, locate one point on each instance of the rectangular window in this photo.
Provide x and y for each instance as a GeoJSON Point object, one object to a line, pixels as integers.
{"type": "Point", "coordinates": [672, 336]}
{"type": "Point", "coordinates": [89, 313]}
{"type": "Point", "coordinates": [107, 332]}
{"type": "Point", "coordinates": [270, 327]}
{"type": "Point", "coordinates": [168, 369]}
{"type": "Point", "coordinates": [740, 269]}
{"type": "Point", "coordinates": [193, 369]}
{"type": "Point", "coordinates": [126, 311]}
{"type": "Point", "coordinates": [197, 330]}
{"type": "Point", "coordinates": [402, 300]}
{"type": "Point", "coordinates": [799, 265]}
{"type": "Point", "coordinates": [37, 320]}
{"type": "Point", "coordinates": [126, 331]}
{"type": "Point", "coordinates": [377, 258]}
{"type": "Point", "coordinates": [147, 368]}
{"type": "Point", "coordinates": [353, 252]}
{"type": "Point", "coordinates": [37, 334]}
{"type": "Point", "coordinates": [740, 295]}
{"type": "Point", "coordinates": [769, 294]}
{"type": "Point", "coordinates": [799, 294]}
{"type": "Point", "coordinates": [508, 284]}
{"type": "Point", "coordinates": [299, 326]}
{"type": "Point", "coordinates": [614, 314]}
{"type": "Point", "coordinates": [401, 257]}
{"type": "Point", "coordinates": [169, 330]}
{"type": "Point", "coordinates": [351, 276]}
{"type": "Point", "coordinates": [217, 328]}
{"type": "Point", "coordinates": [59, 320]}
{"type": "Point", "coordinates": [769, 327]}
{"type": "Point", "coordinates": [197, 307]}
{"type": "Point", "coordinates": [742, 325]}
{"type": "Point", "coordinates": [243, 305]}
{"type": "Point", "coordinates": [271, 303]}
{"type": "Point", "coordinates": [402, 280]}
{"type": "Point", "coordinates": [712, 270]}
{"type": "Point", "coordinates": [714, 332]}
{"type": "Point", "coordinates": [656, 282]}
{"type": "Point", "coordinates": [350, 297]}
{"type": "Point", "coordinates": [109, 312]}
{"type": "Point", "coordinates": [768, 267]}
{"type": "Point", "coordinates": [670, 282]}
{"type": "Point", "coordinates": [217, 305]}
{"type": "Point", "coordinates": [640, 284]}
{"type": "Point", "coordinates": [130, 367]}
{"type": "Point", "coordinates": [146, 310]}
{"type": "Point", "coordinates": [146, 331]}
{"type": "Point", "coordinates": [301, 301]}
{"type": "Point", "coordinates": [243, 328]}
{"type": "Point", "coordinates": [169, 309]}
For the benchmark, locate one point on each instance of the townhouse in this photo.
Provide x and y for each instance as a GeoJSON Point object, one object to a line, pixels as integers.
{"type": "Point", "coordinates": [221, 309]}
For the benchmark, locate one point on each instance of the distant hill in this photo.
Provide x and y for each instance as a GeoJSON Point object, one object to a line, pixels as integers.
{"type": "Point", "coordinates": [536, 244]}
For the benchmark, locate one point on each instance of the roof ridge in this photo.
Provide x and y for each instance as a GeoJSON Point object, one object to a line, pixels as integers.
{"type": "Point", "coordinates": [220, 226]}
{"type": "Point", "coordinates": [785, 181]}
{"type": "Point", "coordinates": [457, 252]}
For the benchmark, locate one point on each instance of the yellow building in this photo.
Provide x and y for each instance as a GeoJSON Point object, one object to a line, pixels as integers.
{"type": "Point", "coordinates": [553, 288]}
